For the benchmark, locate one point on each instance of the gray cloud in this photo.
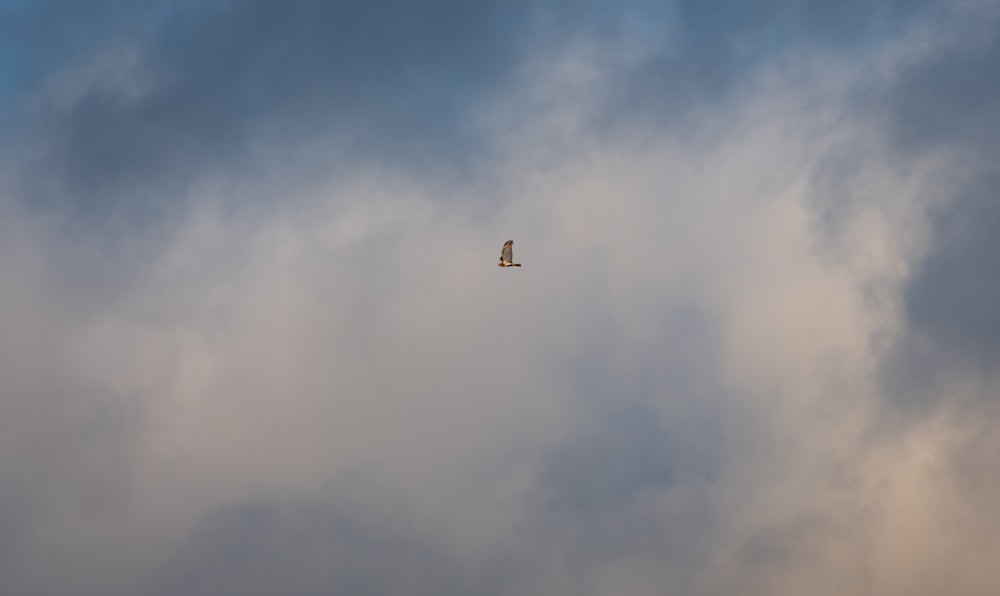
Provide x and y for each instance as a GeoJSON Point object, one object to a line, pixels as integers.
{"type": "Point", "coordinates": [307, 549]}
{"type": "Point", "coordinates": [947, 105]}
{"type": "Point", "coordinates": [178, 92]}
{"type": "Point", "coordinates": [953, 294]}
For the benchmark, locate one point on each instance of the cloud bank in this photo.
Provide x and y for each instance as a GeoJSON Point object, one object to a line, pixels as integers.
{"type": "Point", "coordinates": [253, 341]}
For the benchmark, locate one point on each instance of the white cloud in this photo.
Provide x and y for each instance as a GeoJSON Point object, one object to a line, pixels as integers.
{"type": "Point", "coordinates": [359, 340]}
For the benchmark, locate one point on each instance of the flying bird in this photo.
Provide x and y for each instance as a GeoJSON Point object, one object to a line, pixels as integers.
{"type": "Point", "coordinates": [507, 255]}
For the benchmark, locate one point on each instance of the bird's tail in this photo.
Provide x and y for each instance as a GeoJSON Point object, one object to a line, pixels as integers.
{"type": "Point", "coordinates": [516, 264]}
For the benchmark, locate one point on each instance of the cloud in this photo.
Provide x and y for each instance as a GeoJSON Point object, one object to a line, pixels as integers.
{"type": "Point", "coordinates": [729, 362]}
{"type": "Point", "coordinates": [205, 87]}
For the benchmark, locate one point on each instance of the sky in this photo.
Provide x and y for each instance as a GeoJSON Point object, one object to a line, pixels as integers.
{"type": "Point", "coordinates": [253, 339]}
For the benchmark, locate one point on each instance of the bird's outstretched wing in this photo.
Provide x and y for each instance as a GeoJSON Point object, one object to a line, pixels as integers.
{"type": "Point", "coordinates": [507, 254]}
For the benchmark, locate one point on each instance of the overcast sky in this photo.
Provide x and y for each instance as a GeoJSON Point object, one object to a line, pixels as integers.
{"type": "Point", "coordinates": [253, 339]}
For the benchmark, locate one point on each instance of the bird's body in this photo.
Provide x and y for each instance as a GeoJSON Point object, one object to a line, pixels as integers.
{"type": "Point", "coordinates": [507, 255]}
